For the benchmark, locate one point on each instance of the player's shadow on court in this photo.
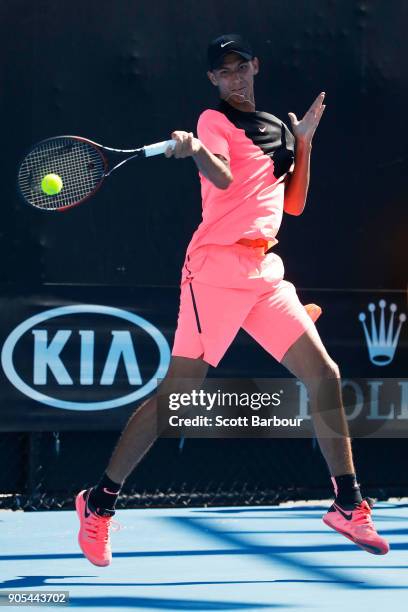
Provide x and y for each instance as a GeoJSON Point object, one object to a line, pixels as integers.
{"type": "Point", "coordinates": [169, 604]}
{"type": "Point", "coordinates": [243, 549]}
{"type": "Point", "coordinates": [25, 582]}
{"type": "Point", "coordinates": [263, 509]}
{"type": "Point", "coordinates": [284, 554]}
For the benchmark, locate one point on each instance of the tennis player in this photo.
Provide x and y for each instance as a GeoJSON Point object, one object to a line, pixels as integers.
{"type": "Point", "coordinates": [252, 169]}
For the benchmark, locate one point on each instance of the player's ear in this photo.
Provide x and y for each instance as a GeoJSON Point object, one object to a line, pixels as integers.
{"type": "Point", "coordinates": [212, 78]}
{"type": "Point", "coordinates": [255, 65]}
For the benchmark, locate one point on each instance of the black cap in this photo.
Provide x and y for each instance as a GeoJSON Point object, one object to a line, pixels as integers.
{"type": "Point", "coordinates": [227, 43]}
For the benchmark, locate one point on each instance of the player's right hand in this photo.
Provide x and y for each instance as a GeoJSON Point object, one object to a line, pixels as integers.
{"type": "Point", "coordinates": [186, 145]}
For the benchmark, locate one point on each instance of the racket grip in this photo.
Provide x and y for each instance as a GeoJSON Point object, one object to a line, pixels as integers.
{"type": "Point", "coordinates": [158, 147]}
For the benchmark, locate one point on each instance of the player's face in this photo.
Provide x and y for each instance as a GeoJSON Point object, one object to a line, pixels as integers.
{"type": "Point", "coordinates": [235, 78]}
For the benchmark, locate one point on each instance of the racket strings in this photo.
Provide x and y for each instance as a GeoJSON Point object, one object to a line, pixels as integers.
{"type": "Point", "coordinates": [79, 164]}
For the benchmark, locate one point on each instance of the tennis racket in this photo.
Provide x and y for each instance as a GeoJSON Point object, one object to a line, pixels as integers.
{"type": "Point", "coordinates": [82, 165]}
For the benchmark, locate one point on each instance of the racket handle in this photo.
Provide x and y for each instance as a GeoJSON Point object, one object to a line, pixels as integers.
{"type": "Point", "coordinates": [158, 147]}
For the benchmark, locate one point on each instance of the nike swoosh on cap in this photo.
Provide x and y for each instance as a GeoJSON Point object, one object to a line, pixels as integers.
{"type": "Point", "coordinates": [227, 43]}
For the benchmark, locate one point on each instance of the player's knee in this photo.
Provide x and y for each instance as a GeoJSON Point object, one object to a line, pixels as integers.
{"type": "Point", "coordinates": [183, 374]}
{"type": "Point", "coordinates": [327, 369]}
{"type": "Point", "coordinates": [324, 369]}
{"type": "Point", "coordinates": [324, 386]}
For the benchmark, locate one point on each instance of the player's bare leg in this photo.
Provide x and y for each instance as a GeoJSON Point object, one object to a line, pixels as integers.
{"type": "Point", "coordinates": [350, 515]}
{"type": "Point", "coordinates": [95, 507]}
{"type": "Point", "coordinates": [141, 430]}
{"type": "Point", "coordinates": [309, 361]}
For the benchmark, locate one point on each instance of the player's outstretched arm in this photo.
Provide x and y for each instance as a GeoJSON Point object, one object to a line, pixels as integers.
{"type": "Point", "coordinates": [214, 168]}
{"type": "Point", "coordinates": [297, 185]}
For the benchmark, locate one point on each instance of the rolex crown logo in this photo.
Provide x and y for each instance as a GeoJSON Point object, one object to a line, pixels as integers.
{"type": "Point", "coordinates": [381, 340]}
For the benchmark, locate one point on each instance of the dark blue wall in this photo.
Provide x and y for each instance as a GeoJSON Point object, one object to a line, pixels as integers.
{"type": "Point", "coordinates": [127, 73]}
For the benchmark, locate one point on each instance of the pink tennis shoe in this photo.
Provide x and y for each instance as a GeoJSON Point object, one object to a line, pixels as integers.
{"type": "Point", "coordinates": [93, 536]}
{"type": "Point", "coordinates": [357, 526]}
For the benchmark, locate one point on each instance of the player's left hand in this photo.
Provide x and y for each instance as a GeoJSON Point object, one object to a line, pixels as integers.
{"type": "Point", "coordinates": [304, 130]}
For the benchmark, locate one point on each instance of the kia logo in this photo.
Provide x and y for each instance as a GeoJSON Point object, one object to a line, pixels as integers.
{"type": "Point", "coordinates": [48, 357]}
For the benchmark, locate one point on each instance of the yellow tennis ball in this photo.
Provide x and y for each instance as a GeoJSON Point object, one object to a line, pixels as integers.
{"type": "Point", "coordinates": [51, 184]}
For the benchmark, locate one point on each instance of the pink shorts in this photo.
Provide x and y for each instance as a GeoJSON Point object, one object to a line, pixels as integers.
{"type": "Point", "coordinates": [226, 287]}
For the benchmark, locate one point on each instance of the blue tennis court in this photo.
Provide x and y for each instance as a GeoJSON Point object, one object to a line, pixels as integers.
{"type": "Point", "coordinates": [241, 558]}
